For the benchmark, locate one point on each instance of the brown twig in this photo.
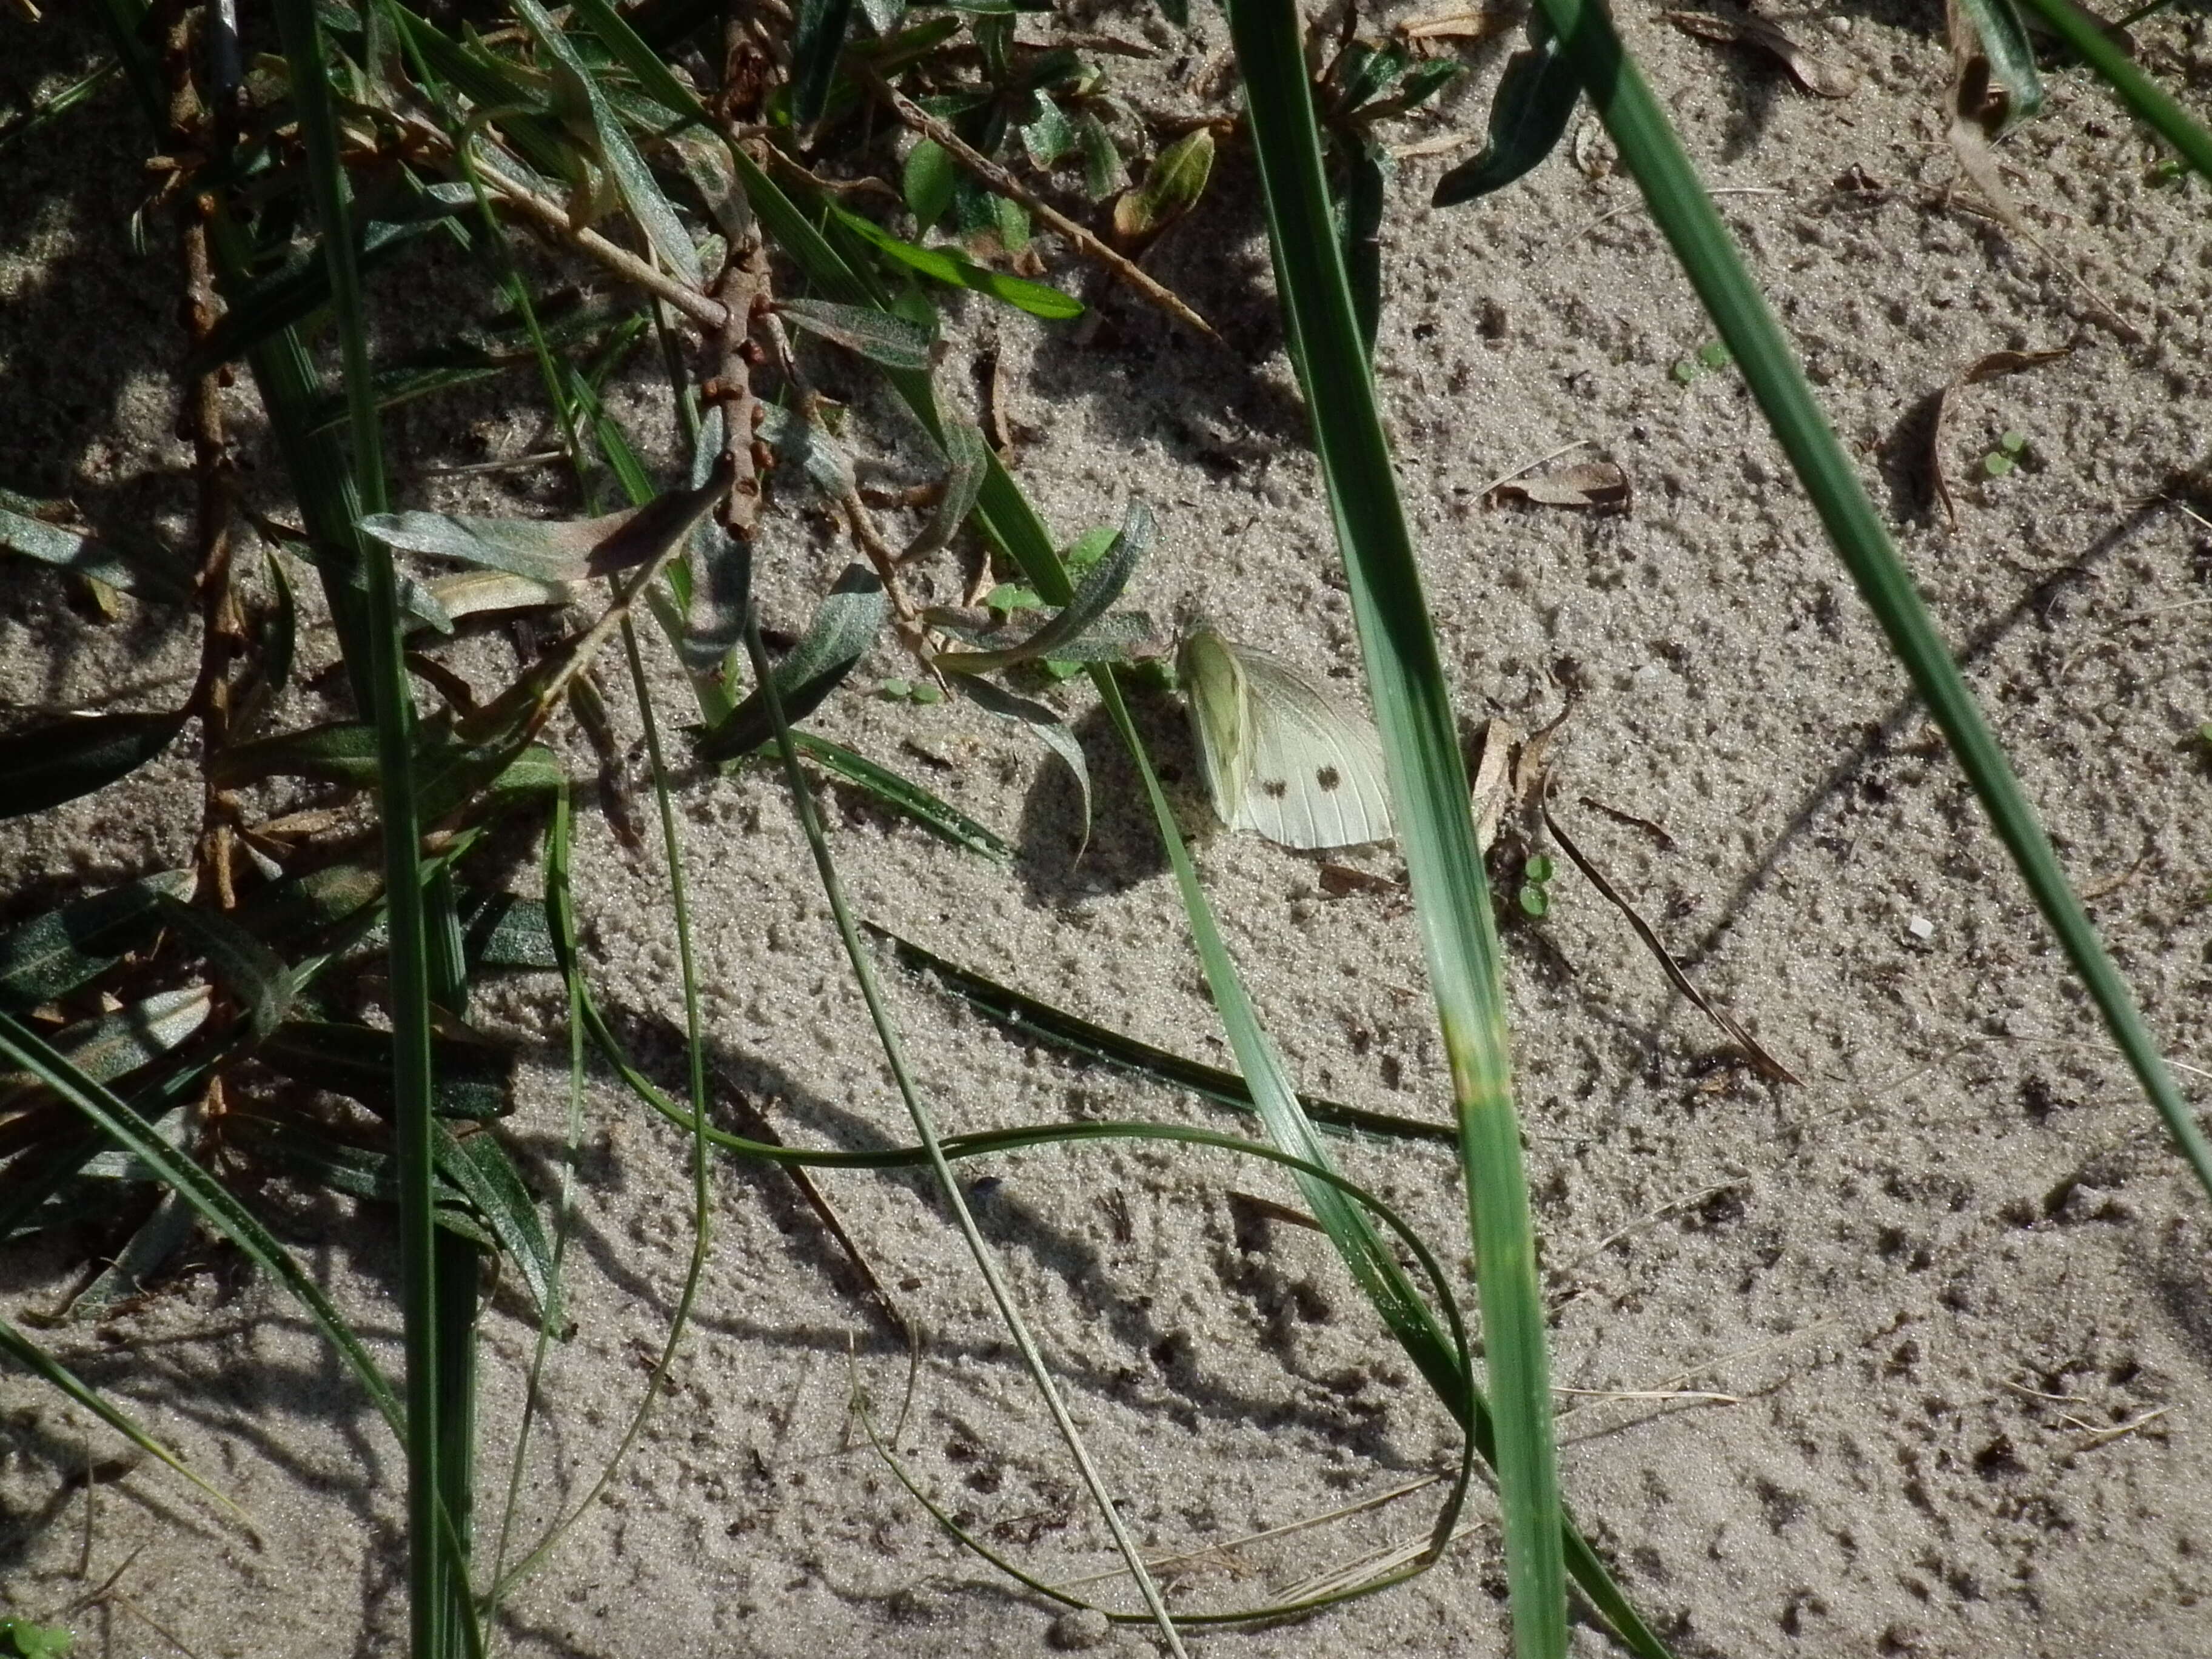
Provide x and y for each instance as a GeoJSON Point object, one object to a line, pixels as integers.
{"type": "Point", "coordinates": [1762, 1062]}
{"type": "Point", "coordinates": [1005, 182]}
{"type": "Point", "coordinates": [222, 632]}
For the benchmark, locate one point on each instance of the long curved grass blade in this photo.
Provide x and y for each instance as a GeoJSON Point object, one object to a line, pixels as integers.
{"type": "Point", "coordinates": [60, 760]}
{"type": "Point", "coordinates": [215, 1202]}
{"type": "Point", "coordinates": [1012, 527]}
{"type": "Point", "coordinates": [2150, 101]}
{"type": "Point", "coordinates": [640, 193]}
{"type": "Point", "coordinates": [1684, 215]}
{"type": "Point", "coordinates": [1428, 790]}
{"type": "Point", "coordinates": [1027, 1016]}
{"type": "Point", "coordinates": [42, 1364]}
{"type": "Point", "coordinates": [939, 817]}
{"type": "Point", "coordinates": [439, 1606]}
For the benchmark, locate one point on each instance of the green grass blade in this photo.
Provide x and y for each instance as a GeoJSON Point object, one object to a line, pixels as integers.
{"type": "Point", "coordinates": [436, 1581]}
{"type": "Point", "coordinates": [1428, 790]}
{"type": "Point", "coordinates": [36, 1360]}
{"type": "Point", "coordinates": [1011, 524]}
{"type": "Point", "coordinates": [2151, 102]}
{"type": "Point", "coordinates": [1025, 1016]}
{"type": "Point", "coordinates": [22, 1048]}
{"type": "Point", "coordinates": [1684, 214]}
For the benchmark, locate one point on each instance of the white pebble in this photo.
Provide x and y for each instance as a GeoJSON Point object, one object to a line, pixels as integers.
{"type": "Point", "coordinates": [1921, 928]}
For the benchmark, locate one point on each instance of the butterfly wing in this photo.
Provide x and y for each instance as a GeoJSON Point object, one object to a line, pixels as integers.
{"type": "Point", "coordinates": [1316, 778]}
{"type": "Point", "coordinates": [1220, 717]}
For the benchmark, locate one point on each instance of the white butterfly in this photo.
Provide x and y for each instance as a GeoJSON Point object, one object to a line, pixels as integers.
{"type": "Point", "coordinates": [1282, 757]}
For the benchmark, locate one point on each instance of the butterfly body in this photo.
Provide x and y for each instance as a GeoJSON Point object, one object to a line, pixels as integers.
{"type": "Point", "coordinates": [1281, 756]}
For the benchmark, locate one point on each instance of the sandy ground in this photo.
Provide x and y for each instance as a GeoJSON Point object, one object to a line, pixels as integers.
{"type": "Point", "coordinates": [1943, 1309]}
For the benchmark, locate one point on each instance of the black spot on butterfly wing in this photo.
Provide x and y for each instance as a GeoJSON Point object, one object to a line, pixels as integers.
{"type": "Point", "coordinates": [1328, 778]}
{"type": "Point", "coordinates": [1275, 788]}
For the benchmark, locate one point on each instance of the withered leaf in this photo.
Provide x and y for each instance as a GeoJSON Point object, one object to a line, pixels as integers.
{"type": "Point", "coordinates": [1592, 486]}
{"type": "Point", "coordinates": [1741, 30]}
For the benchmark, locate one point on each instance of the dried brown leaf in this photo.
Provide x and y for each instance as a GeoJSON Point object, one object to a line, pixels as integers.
{"type": "Point", "coordinates": [1822, 80]}
{"type": "Point", "coordinates": [1591, 486]}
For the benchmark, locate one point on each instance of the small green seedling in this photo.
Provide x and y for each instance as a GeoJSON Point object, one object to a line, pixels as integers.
{"type": "Point", "coordinates": [2006, 456]}
{"type": "Point", "coordinates": [924, 691]}
{"type": "Point", "coordinates": [20, 1639]}
{"type": "Point", "coordinates": [1535, 894]}
{"type": "Point", "coordinates": [1713, 354]}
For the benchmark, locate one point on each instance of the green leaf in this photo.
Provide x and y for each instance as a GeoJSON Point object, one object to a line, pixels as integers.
{"type": "Point", "coordinates": [253, 973]}
{"type": "Point", "coordinates": [1104, 170]}
{"type": "Point", "coordinates": [479, 1166]}
{"type": "Point", "coordinates": [1173, 184]}
{"type": "Point", "coordinates": [816, 43]}
{"type": "Point", "coordinates": [1025, 1016]}
{"type": "Point", "coordinates": [641, 194]}
{"type": "Point", "coordinates": [1045, 722]}
{"type": "Point", "coordinates": [2011, 55]}
{"type": "Point", "coordinates": [553, 551]}
{"type": "Point", "coordinates": [1432, 810]}
{"type": "Point", "coordinates": [968, 463]}
{"type": "Point", "coordinates": [1050, 136]}
{"type": "Point", "coordinates": [951, 269]}
{"type": "Point", "coordinates": [26, 1640]}
{"type": "Point", "coordinates": [151, 572]}
{"type": "Point", "coordinates": [1080, 615]}
{"type": "Point", "coordinates": [50, 955]}
{"type": "Point", "coordinates": [1359, 223]}
{"type": "Point", "coordinates": [113, 1046]}
{"type": "Point", "coordinates": [845, 625]}
{"type": "Point", "coordinates": [901, 794]}
{"type": "Point", "coordinates": [505, 930]}
{"type": "Point", "coordinates": [1528, 116]}
{"type": "Point", "coordinates": [891, 341]}
{"type": "Point", "coordinates": [474, 1078]}
{"type": "Point", "coordinates": [77, 754]}
{"type": "Point", "coordinates": [927, 180]}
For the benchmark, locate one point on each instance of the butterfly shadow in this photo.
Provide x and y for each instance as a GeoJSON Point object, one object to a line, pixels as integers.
{"type": "Point", "coordinates": [1056, 864]}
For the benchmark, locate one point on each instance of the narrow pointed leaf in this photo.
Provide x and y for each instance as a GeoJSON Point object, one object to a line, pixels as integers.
{"type": "Point", "coordinates": [1528, 116]}
{"type": "Point", "coordinates": [51, 955]}
{"type": "Point", "coordinates": [1101, 587]}
{"type": "Point", "coordinates": [845, 625]}
{"type": "Point", "coordinates": [77, 754]}
{"type": "Point", "coordinates": [21, 1048]}
{"type": "Point", "coordinates": [940, 817]}
{"type": "Point", "coordinates": [552, 551]}
{"type": "Point", "coordinates": [253, 973]}
{"type": "Point", "coordinates": [148, 572]}
{"type": "Point", "coordinates": [891, 341]}
{"type": "Point", "coordinates": [942, 265]}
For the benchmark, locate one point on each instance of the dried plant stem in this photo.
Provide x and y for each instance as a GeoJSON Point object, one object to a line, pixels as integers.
{"type": "Point", "coordinates": [1005, 182]}
{"type": "Point", "coordinates": [222, 635]}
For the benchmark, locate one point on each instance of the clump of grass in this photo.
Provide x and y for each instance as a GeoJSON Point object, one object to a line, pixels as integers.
{"type": "Point", "coordinates": [297, 1001]}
